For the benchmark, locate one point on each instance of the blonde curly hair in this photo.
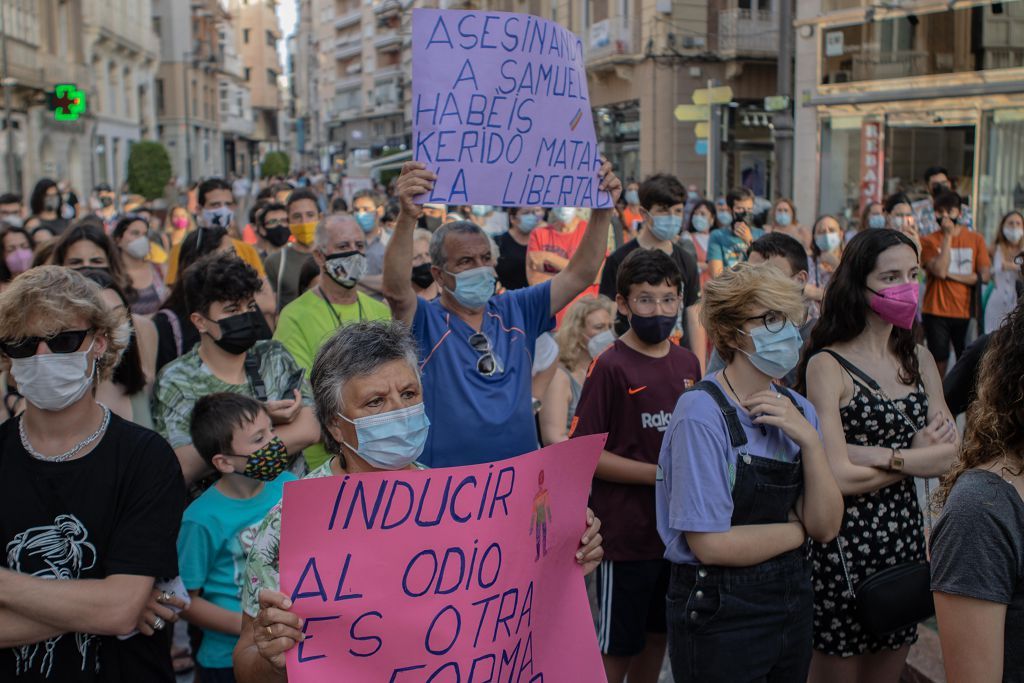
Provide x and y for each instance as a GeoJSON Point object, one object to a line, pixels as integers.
{"type": "Point", "coordinates": [728, 299]}
{"type": "Point", "coordinates": [572, 351]}
{"type": "Point", "coordinates": [50, 299]}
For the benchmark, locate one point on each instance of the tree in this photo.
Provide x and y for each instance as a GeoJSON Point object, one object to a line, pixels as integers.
{"type": "Point", "coordinates": [149, 169]}
{"type": "Point", "coordinates": [274, 164]}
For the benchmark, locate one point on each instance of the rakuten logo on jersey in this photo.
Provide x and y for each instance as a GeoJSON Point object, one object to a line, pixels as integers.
{"type": "Point", "coordinates": [657, 420]}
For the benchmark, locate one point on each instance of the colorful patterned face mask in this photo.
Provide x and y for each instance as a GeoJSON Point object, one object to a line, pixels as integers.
{"type": "Point", "coordinates": [268, 462]}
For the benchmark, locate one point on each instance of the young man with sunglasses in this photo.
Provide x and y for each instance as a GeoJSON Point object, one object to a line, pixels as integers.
{"type": "Point", "coordinates": [630, 392]}
{"type": "Point", "coordinates": [234, 354]}
{"type": "Point", "coordinates": [476, 348]}
{"type": "Point", "coordinates": [90, 503]}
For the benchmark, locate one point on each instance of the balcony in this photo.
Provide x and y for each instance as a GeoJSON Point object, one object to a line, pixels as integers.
{"type": "Point", "coordinates": [877, 65]}
{"type": "Point", "coordinates": [388, 72]}
{"type": "Point", "coordinates": [388, 41]}
{"type": "Point", "coordinates": [348, 47]}
{"type": "Point", "coordinates": [346, 84]}
{"type": "Point", "coordinates": [608, 38]}
{"type": "Point", "coordinates": [385, 9]}
{"type": "Point", "coordinates": [746, 32]}
{"type": "Point", "coordinates": [350, 19]}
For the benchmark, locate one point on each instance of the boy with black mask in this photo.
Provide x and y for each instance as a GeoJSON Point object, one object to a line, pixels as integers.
{"type": "Point", "coordinates": [234, 354]}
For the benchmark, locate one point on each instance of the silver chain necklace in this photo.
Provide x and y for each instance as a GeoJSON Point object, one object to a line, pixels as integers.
{"type": "Point", "coordinates": [66, 455]}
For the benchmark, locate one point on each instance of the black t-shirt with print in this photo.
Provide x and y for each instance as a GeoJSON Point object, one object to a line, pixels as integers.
{"type": "Point", "coordinates": [115, 510]}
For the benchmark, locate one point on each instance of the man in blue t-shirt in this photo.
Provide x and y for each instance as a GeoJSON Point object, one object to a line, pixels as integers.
{"type": "Point", "coordinates": [476, 349]}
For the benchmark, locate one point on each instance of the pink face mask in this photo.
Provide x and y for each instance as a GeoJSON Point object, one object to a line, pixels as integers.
{"type": "Point", "coordinates": [896, 305]}
{"type": "Point", "coordinates": [19, 260]}
{"type": "Point", "coordinates": [180, 223]}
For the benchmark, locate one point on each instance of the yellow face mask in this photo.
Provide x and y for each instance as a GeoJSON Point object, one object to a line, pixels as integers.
{"type": "Point", "coordinates": [303, 232]}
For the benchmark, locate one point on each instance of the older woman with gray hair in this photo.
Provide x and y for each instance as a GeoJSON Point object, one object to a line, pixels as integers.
{"type": "Point", "coordinates": [369, 400]}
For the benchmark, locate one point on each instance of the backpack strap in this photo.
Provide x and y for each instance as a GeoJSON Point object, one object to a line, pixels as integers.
{"type": "Point", "coordinates": [854, 370]}
{"type": "Point", "coordinates": [737, 437]}
{"type": "Point", "coordinates": [252, 370]}
{"type": "Point", "coordinates": [792, 397]}
{"type": "Point", "coordinates": [175, 324]}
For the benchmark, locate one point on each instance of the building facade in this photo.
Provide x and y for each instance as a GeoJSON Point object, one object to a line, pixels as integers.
{"type": "Point", "coordinates": [187, 85]}
{"type": "Point", "coordinates": [257, 35]}
{"type": "Point", "coordinates": [120, 50]}
{"type": "Point", "coordinates": [885, 92]}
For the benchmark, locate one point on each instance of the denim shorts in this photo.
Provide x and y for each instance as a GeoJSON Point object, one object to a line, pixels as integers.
{"type": "Point", "coordinates": [744, 624]}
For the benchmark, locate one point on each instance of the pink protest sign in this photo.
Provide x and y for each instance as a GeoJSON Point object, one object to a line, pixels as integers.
{"type": "Point", "coordinates": [501, 112]}
{"type": "Point", "coordinates": [454, 575]}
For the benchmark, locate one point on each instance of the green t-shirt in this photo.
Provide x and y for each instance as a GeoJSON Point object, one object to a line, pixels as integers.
{"type": "Point", "coordinates": [306, 323]}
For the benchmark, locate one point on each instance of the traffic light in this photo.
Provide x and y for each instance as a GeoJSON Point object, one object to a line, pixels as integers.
{"type": "Point", "coordinates": [67, 102]}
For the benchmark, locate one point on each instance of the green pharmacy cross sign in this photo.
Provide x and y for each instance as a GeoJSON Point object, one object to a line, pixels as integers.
{"type": "Point", "coordinates": [70, 102]}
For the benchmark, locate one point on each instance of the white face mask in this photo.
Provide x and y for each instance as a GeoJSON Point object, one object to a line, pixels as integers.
{"type": "Point", "coordinates": [599, 342]}
{"type": "Point", "coordinates": [138, 247]}
{"type": "Point", "coordinates": [220, 217]}
{"type": "Point", "coordinates": [53, 381]}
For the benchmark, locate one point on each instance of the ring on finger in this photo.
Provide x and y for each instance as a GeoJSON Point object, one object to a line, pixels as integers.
{"type": "Point", "coordinates": [158, 624]}
{"type": "Point", "coordinates": [164, 597]}
{"type": "Point", "coordinates": [270, 632]}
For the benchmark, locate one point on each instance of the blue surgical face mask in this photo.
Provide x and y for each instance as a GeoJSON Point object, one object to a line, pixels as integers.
{"type": "Point", "coordinates": [876, 220]}
{"type": "Point", "coordinates": [366, 220]}
{"type": "Point", "coordinates": [725, 218]}
{"type": "Point", "coordinates": [692, 196]}
{"type": "Point", "coordinates": [480, 210]}
{"type": "Point", "coordinates": [666, 227]}
{"type": "Point", "coordinates": [775, 353]}
{"type": "Point", "coordinates": [783, 219]}
{"type": "Point", "coordinates": [391, 440]}
{"type": "Point", "coordinates": [632, 197]}
{"type": "Point", "coordinates": [701, 223]}
{"type": "Point", "coordinates": [827, 241]}
{"type": "Point", "coordinates": [474, 287]}
{"type": "Point", "coordinates": [564, 214]}
{"type": "Point", "coordinates": [528, 221]}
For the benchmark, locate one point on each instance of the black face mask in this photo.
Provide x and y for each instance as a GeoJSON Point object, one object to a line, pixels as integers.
{"type": "Point", "coordinates": [238, 333]}
{"type": "Point", "coordinates": [431, 223]}
{"type": "Point", "coordinates": [51, 203]}
{"type": "Point", "coordinates": [740, 217]}
{"type": "Point", "coordinates": [652, 329]}
{"type": "Point", "coordinates": [106, 202]}
{"type": "Point", "coordinates": [421, 275]}
{"type": "Point", "coordinates": [278, 236]}
{"type": "Point", "coordinates": [939, 188]}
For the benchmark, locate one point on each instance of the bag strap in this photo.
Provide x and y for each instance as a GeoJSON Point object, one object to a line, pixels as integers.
{"type": "Point", "coordinates": [864, 377]}
{"type": "Point", "coordinates": [172, 320]}
{"type": "Point", "coordinates": [737, 437]}
{"type": "Point", "coordinates": [252, 369]}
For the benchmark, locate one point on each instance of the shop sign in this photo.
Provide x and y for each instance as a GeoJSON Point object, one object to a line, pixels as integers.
{"type": "Point", "coordinates": [871, 160]}
{"type": "Point", "coordinates": [834, 44]}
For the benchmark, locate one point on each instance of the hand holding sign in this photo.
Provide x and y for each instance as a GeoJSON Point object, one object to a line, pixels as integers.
{"type": "Point", "coordinates": [276, 630]}
{"type": "Point", "coordinates": [610, 182]}
{"type": "Point", "coordinates": [415, 180]}
{"type": "Point", "coordinates": [591, 551]}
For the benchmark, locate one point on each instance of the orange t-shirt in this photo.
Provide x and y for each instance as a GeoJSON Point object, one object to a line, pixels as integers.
{"type": "Point", "coordinates": [552, 241]}
{"type": "Point", "coordinates": [948, 298]}
{"type": "Point", "coordinates": [246, 252]}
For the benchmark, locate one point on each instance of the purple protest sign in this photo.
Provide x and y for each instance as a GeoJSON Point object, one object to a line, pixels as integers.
{"type": "Point", "coordinates": [501, 112]}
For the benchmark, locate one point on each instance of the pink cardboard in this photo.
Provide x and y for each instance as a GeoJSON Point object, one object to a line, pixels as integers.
{"type": "Point", "coordinates": [501, 111]}
{"type": "Point", "coordinates": [453, 575]}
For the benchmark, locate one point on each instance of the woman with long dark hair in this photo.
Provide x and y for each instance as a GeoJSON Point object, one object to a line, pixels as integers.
{"type": "Point", "coordinates": [127, 392]}
{"type": "Point", "coordinates": [978, 543]}
{"type": "Point", "coordinates": [884, 421]}
{"type": "Point", "coordinates": [1009, 241]}
{"type": "Point", "coordinates": [702, 222]}
{"type": "Point", "coordinates": [86, 245]}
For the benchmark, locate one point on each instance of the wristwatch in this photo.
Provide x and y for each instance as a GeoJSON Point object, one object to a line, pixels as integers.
{"type": "Point", "coordinates": [896, 460]}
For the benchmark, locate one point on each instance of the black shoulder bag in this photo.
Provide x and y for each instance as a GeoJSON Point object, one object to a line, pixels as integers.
{"type": "Point", "coordinates": [897, 597]}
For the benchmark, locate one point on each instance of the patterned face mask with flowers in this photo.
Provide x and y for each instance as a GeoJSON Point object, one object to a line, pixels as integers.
{"type": "Point", "coordinates": [267, 462]}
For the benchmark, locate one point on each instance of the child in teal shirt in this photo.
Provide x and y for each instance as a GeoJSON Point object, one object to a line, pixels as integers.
{"type": "Point", "coordinates": [234, 434]}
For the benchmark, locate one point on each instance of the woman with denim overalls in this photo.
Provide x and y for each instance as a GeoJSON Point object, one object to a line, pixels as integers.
{"type": "Point", "coordinates": [744, 481]}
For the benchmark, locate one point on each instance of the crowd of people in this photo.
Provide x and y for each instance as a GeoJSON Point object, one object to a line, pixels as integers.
{"type": "Point", "coordinates": [772, 391]}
